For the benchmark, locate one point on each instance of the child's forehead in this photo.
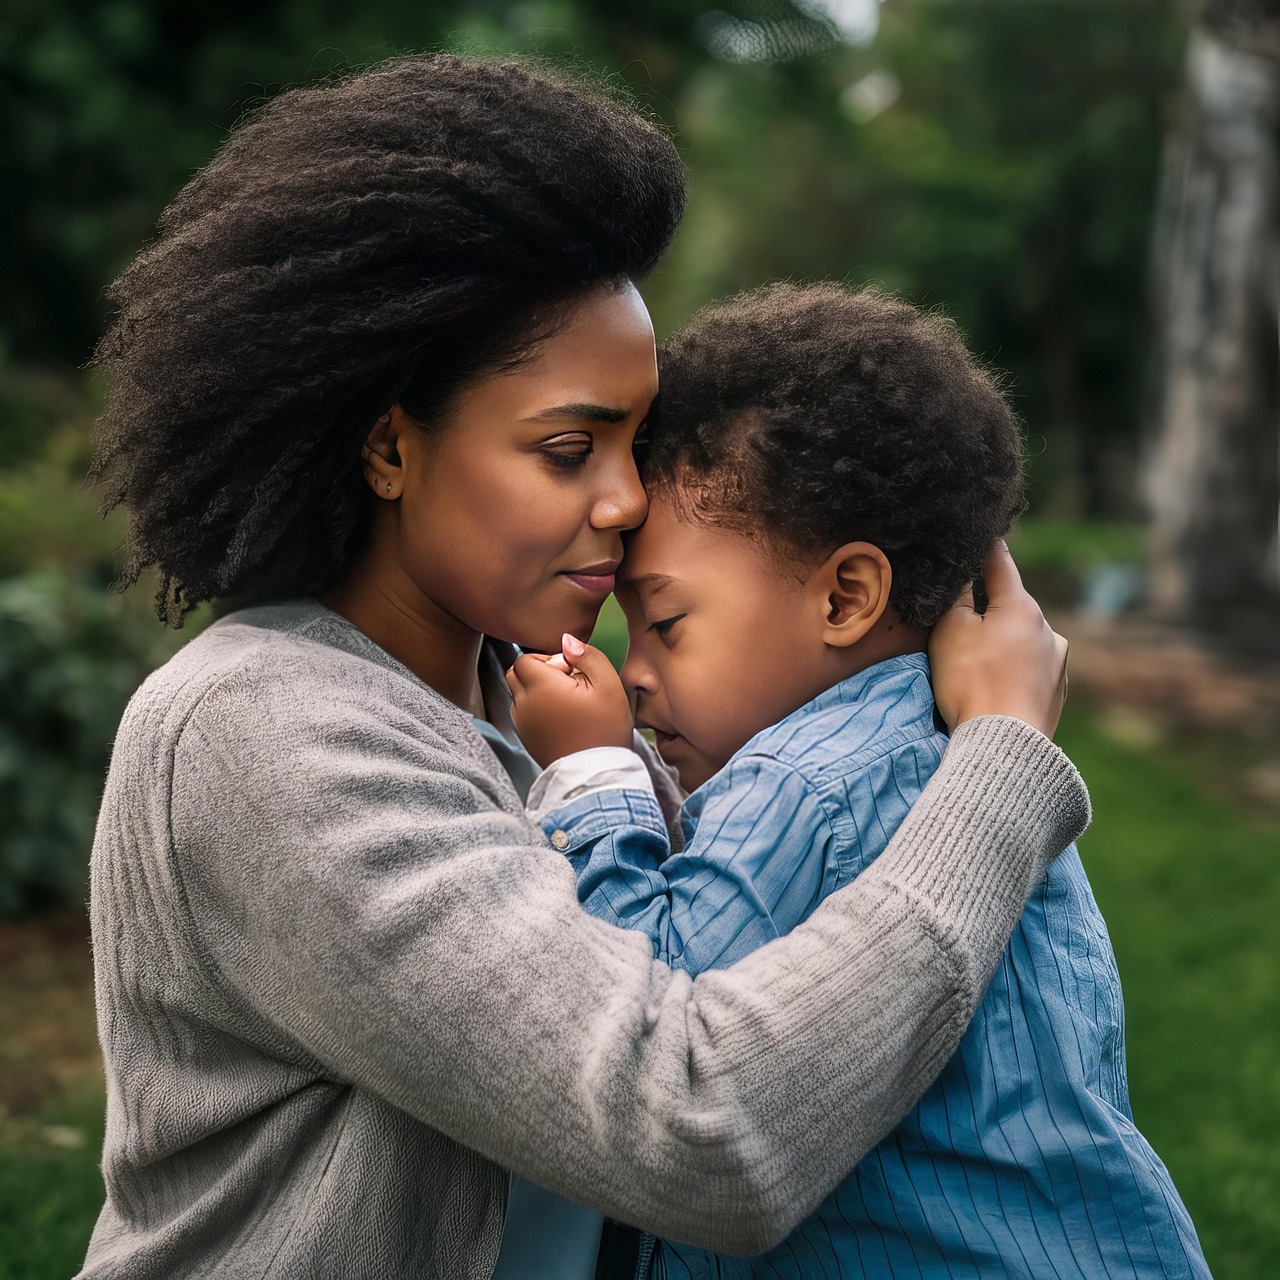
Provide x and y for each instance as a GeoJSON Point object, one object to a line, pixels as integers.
{"type": "Point", "coordinates": [675, 547]}
{"type": "Point", "coordinates": [669, 538]}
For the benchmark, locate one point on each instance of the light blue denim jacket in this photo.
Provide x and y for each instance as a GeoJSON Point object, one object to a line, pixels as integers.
{"type": "Point", "coordinates": [1022, 1160]}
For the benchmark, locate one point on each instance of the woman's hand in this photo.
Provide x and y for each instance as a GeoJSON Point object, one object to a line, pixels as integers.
{"type": "Point", "coordinates": [1007, 661]}
{"type": "Point", "coordinates": [568, 702]}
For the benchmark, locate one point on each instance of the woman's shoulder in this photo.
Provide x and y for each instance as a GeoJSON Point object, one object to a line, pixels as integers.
{"type": "Point", "coordinates": [293, 661]}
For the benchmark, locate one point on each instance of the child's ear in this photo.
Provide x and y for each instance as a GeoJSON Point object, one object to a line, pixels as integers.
{"type": "Point", "coordinates": [855, 582]}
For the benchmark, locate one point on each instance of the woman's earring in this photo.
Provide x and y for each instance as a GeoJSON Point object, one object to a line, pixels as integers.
{"type": "Point", "coordinates": [388, 486]}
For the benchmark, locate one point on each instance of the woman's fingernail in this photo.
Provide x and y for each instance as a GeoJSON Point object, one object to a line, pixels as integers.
{"type": "Point", "coordinates": [573, 647]}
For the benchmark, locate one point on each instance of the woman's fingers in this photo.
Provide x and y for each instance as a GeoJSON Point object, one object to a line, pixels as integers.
{"type": "Point", "coordinates": [1005, 661]}
{"type": "Point", "coordinates": [965, 599]}
{"type": "Point", "coordinates": [1000, 575]}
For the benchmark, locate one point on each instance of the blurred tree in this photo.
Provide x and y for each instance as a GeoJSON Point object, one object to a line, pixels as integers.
{"type": "Point", "coordinates": [105, 108]}
{"type": "Point", "coordinates": [1215, 480]}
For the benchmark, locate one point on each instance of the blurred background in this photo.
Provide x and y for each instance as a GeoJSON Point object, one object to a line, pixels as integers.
{"type": "Point", "coordinates": [1090, 187]}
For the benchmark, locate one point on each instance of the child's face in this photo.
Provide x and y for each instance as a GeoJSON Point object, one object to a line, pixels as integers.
{"type": "Point", "coordinates": [722, 641]}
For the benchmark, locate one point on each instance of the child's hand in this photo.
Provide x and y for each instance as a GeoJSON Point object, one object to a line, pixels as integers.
{"type": "Point", "coordinates": [568, 702]}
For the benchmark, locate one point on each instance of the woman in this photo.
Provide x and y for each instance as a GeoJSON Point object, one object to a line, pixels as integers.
{"type": "Point", "coordinates": [387, 351]}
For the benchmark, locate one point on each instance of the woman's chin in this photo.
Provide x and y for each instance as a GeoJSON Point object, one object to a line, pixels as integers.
{"type": "Point", "coordinates": [547, 638]}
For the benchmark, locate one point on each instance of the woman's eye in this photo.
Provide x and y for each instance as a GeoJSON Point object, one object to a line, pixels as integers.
{"type": "Point", "coordinates": [663, 626]}
{"type": "Point", "coordinates": [568, 458]}
{"type": "Point", "coordinates": [568, 451]}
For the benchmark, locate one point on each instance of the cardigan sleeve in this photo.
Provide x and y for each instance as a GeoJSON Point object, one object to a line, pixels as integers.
{"type": "Point", "coordinates": [357, 880]}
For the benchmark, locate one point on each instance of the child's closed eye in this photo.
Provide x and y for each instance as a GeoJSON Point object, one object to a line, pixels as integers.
{"type": "Point", "coordinates": [663, 626]}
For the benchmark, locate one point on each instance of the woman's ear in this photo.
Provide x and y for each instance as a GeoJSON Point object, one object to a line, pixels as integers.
{"type": "Point", "coordinates": [383, 467]}
{"type": "Point", "coordinates": [855, 582]}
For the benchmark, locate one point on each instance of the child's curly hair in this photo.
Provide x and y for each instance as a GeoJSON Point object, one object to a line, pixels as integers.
{"type": "Point", "coordinates": [818, 415]}
{"type": "Point", "coordinates": [381, 238]}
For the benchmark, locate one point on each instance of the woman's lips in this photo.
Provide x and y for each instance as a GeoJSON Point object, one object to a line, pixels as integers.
{"type": "Point", "coordinates": [596, 579]}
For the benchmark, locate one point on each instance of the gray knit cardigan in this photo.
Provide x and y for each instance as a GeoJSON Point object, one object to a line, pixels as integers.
{"type": "Point", "coordinates": [343, 984]}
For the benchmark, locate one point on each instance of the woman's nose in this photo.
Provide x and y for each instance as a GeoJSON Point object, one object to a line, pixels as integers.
{"type": "Point", "coordinates": [624, 504]}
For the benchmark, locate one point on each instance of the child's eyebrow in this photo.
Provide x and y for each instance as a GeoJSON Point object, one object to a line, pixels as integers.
{"type": "Point", "coordinates": [654, 581]}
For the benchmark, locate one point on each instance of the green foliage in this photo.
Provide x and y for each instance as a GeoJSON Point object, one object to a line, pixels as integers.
{"type": "Point", "coordinates": [1068, 563]}
{"type": "Point", "coordinates": [1011, 180]}
{"type": "Point", "coordinates": [70, 656]}
{"type": "Point", "coordinates": [997, 160]}
{"type": "Point", "coordinates": [49, 518]}
{"type": "Point", "coordinates": [1075, 545]}
{"type": "Point", "coordinates": [610, 634]}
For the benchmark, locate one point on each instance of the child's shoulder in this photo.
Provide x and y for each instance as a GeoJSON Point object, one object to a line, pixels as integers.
{"type": "Point", "coordinates": [885, 709]}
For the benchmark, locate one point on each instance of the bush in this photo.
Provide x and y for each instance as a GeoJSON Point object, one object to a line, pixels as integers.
{"type": "Point", "coordinates": [71, 655]}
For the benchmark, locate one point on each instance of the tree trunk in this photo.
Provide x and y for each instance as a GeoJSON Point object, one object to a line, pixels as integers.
{"type": "Point", "coordinates": [1214, 475]}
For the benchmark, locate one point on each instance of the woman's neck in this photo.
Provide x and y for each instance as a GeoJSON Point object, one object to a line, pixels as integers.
{"type": "Point", "coordinates": [413, 629]}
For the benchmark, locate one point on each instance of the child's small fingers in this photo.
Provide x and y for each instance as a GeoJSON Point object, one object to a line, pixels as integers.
{"type": "Point", "coordinates": [535, 670]}
{"type": "Point", "coordinates": [594, 665]}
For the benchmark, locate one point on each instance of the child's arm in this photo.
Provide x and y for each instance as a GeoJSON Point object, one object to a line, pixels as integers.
{"type": "Point", "coordinates": [758, 861]}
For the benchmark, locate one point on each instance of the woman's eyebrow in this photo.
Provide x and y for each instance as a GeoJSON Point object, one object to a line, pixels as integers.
{"type": "Point", "coordinates": [591, 412]}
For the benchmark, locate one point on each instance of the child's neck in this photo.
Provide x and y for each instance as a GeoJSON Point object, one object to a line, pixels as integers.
{"type": "Point", "coordinates": [889, 638]}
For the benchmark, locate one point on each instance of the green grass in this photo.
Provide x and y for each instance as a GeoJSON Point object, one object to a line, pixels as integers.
{"type": "Point", "coordinates": [1190, 885]}
{"type": "Point", "coordinates": [50, 1187]}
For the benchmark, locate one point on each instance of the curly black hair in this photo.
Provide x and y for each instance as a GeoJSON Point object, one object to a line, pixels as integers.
{"type": "Point", "coordinates": [379, 239]}
{"type": "Point", "coordinates": [818, 415]}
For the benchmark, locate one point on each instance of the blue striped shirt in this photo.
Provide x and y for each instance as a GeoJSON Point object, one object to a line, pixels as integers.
{"type": "Point", "coordinates": [1022, 1159]}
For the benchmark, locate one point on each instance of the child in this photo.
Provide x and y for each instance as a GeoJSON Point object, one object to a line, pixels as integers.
{"type": "Point", "coordinates": [828, 470]}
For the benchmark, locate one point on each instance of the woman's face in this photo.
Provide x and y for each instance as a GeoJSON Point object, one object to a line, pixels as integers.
{"type": "Point", "coordinates": [511, 514]}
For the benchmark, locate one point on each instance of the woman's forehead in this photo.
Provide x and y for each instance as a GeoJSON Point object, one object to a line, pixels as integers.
{"type": "Point", "coordinates": [598, 368]}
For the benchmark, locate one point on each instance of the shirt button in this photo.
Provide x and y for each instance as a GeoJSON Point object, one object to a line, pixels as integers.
{"type": "Point", "coordinates": [560, 839]}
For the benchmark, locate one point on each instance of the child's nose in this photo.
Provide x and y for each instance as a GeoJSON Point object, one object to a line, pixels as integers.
{"type": "Point", "coordinates": [637, 677]}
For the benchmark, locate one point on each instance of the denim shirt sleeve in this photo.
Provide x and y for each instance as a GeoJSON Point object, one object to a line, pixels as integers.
{"type": "Point", "coordinates": [759, 860]}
